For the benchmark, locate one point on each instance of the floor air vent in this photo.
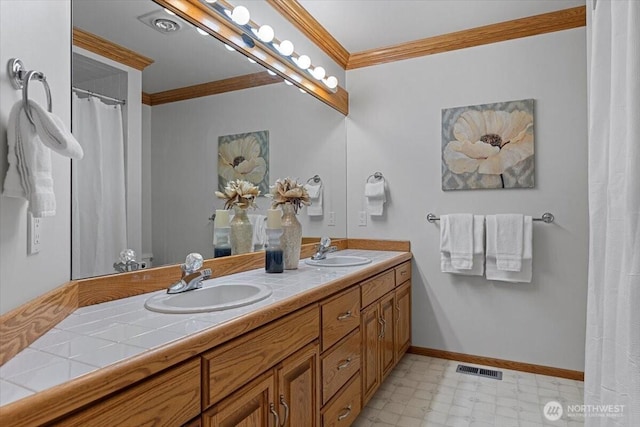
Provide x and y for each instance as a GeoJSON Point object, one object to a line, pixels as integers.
{"type": "Point", "coordinates": [481, 372]}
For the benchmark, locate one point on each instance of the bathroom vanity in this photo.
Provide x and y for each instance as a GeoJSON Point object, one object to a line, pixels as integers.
{"type": "Point", "coordinates": [312, 354]}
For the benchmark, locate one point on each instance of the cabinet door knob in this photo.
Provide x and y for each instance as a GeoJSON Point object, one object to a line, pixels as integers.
{"type": "Point", "coordinates": [344, 364]}
{"type": "Point", "coordinates": [276, 418]}
{"type": "Point", "coordinates": [344, 316]}
{"type": "Point", "coordinates": [345, 413]}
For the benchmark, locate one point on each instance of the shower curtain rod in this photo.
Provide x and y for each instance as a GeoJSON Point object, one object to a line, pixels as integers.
{"type": "Point", "coordinates": [97, 95]}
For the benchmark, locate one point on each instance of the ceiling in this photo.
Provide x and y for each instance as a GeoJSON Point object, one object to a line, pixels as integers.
{"type": "Point", "coordinates": [368, 24]}
{"type": "Point", "coordinates": [187, 58]}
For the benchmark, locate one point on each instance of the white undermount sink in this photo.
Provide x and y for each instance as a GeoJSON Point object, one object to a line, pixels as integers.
{"type": "Point", "coordinates": [339, 261]}
{"type": "Point", "coordinates": [210, 298]}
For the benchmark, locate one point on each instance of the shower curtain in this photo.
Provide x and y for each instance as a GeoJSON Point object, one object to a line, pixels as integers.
{"type": "Point", "coordinates": [99, 219]}
{"type": "Point", "coordinates": [612, 368]}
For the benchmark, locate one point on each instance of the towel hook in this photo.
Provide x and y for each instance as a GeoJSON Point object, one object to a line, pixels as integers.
{"type": "Point", "coordinates": [316, 179]}
{"type": "Point", "coordinates": [20, 79]}
{"type": "Point", "coordinates": [377, 176]}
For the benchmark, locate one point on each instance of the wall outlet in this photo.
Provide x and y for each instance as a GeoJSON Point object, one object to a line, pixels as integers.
{"type": "Point", "coordinates": [331, 220]}
{"type": "Point", "coordinates": [34, 229]}
{"type": "Point", "coordinates": [362, 218]}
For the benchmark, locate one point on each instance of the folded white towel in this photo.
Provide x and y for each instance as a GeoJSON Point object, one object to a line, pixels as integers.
{"type": "Point", "coordinates": [376, 197]}
{"type": "Point", "coordinates": [29, 172]}
{"type": "Point", "coordinates": [456, 239]}
{"type": "Point", "coordinates": [53, 133]}
{"type": "Point", "coordinates": [509, 234]}
{"type": "Point", "coordinates": [525, 273]}
{"type": "Point", "coordinates": [315, 196]}
{"type": "Point", "coordinates": [476, 260]}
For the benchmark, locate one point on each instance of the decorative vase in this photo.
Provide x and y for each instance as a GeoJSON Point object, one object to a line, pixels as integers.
{"type": "Point", "coordinates": [291, 239]}
{"type": "Point", "coordinates": [241, 232]}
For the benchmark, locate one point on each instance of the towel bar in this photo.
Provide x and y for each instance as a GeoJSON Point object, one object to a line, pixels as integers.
{"type": "Point", "coordinates": [546, 217]}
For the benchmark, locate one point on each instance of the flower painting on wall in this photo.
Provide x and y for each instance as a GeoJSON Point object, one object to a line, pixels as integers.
{"type": "Point", "coordinates": [488, 146]}
{"type": "Point", "coordinates": [244, 156]}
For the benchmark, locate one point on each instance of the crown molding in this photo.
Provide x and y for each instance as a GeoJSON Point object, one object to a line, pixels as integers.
{"type": "Point", "coordinates": [213, 88]}
{"type": "Point", "coordinates": [524, 27]}
{"type": "Point", "coordinates": [108, 49]}
{"type": "Point", "coordinates": [310, 27]}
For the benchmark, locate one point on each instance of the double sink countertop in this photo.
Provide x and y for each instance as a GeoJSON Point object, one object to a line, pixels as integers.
{"type": "Point", "coordinates": [109, 334]}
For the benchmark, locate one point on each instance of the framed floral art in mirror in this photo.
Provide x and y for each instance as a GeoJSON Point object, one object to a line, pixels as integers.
{"type": "Point", "coordinates": [244, 156]}
{"type": "Point", "coordinates": [488, 146]}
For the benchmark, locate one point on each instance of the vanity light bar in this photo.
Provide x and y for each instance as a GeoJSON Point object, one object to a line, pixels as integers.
{"type": "Point", "coordinates": [241, 17]}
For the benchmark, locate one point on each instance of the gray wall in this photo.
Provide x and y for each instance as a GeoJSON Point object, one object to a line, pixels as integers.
{"type": "Point", "coordinates": [394, 127]}
{"type": "Point", "coordinates": [39, 33]}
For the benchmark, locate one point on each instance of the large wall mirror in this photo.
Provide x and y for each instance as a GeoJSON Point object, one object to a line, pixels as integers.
{"type": "Point", "coordinates": [150, 173]}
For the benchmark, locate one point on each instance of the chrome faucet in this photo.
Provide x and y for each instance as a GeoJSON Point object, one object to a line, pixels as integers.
{"type": "Point", "coordinates": [127, 262]}
{"type": "Point", "coordinates": [191, 277]}
{"type": "Point", "coordinates": [323, 249]}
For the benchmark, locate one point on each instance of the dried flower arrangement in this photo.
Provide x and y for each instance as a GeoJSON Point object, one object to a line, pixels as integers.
{"type": "Point", "coordinates": [239, 193]}
{"type": "Point", "coordinates": [289, 191]}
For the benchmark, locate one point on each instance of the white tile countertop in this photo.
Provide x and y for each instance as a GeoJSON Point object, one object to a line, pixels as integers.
{"type": "Point", "coordinates": [99, 335]}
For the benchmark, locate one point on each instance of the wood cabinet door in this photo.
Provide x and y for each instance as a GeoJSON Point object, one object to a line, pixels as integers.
{"type": "Point", "coordinates": [387, 349]}
{"type": "Point", "coordinates": [251, 406]}
{"type": "Point", "coordinates": [299, 388]}
{"type": "Point", "coordinates": [370, 328]}
{"type": "Point", "coordinates": [403, 319]}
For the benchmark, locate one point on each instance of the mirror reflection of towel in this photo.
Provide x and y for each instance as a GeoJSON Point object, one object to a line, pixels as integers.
{"type": "Point", "coordinates": [315, 195]}
{"type": "Point", "coordinates": [375, 196]}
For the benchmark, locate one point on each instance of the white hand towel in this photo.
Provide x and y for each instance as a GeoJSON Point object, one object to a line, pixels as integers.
{"type": "Point", "coordinates": [29, 172]}
{"type": "Point", "coordinates": [315, 195]}
{"type": "Point", "coordinates": [54, 134]}
{"type": "Point", "coordinates": [477, 268]}
{"type": "Point", "coordinates": [456, 239]}
{"type": "Point", "coordinates": [525, 273]}
{"type": "Point", "coordinates": [374, 193]}
{"type": "Point", "coordinates": [509, 234]}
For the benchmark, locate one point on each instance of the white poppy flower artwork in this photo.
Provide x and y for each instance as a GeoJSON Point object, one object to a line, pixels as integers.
{"type": "Point", "coordinates": [488, 146]}
{"type": "Point", "coordinates": [244, 156]}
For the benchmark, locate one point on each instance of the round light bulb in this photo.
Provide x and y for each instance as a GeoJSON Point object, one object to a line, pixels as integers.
{"type": "Point", "coordinates": [288, 83]}
{"type": "Point", "coordinates": [202, 32]}
{"type": "Point", "coordinates": [286, 47]}
{"type": "Point", "coordinates": [303, 62]}
{"type": "Point", "coordinates": [229, 48]}
{"type": "Point", "coordinates": [240, 15]}
{"type": "Point", "coordinates": [318, 73]}
{"type": "Point", "coordinates": [211, 1]}
{"type": "Point", "coordinates": [302, 90]}
{"type": "Point", "coordinates": [271, 73]}
{"type": "Point", "coordinates": [266, 33]}
{"type": "Point", "coordinates": [331, 82]}
{"type": "Point", "coordinates": [169, 12]}
{"type": "Point", "coordinates": [251, 60]}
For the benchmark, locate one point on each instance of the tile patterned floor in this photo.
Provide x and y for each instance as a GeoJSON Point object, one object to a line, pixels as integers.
{"type": "Point", "coordinates": [427, 392]}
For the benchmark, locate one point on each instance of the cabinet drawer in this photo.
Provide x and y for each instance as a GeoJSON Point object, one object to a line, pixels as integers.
{"type": "Point", "coordinates": [374, 288]}
{"type": "Point", "coordinates": [169, 398]}
{"type": "Point", "coordinates": [345, 408]}
{"type": "Point", "coordinates": [339, 365]}
{"type": "Point", "coordinates": [403, 273]}
{"type": "Point", "coordinates": [233, 364]}
{"type": "Point", "coordinates": [340, 315]}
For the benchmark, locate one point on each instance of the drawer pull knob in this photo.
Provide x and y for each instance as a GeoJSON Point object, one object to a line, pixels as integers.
{"type": "Point", "coordinates": [344, 364]}
{"type": "Point", "coordinates": [345, 413]}
{"type": "Point", "coordinates": [344, 316]}
{"type": "Point", "coordinates": [276, 418]}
